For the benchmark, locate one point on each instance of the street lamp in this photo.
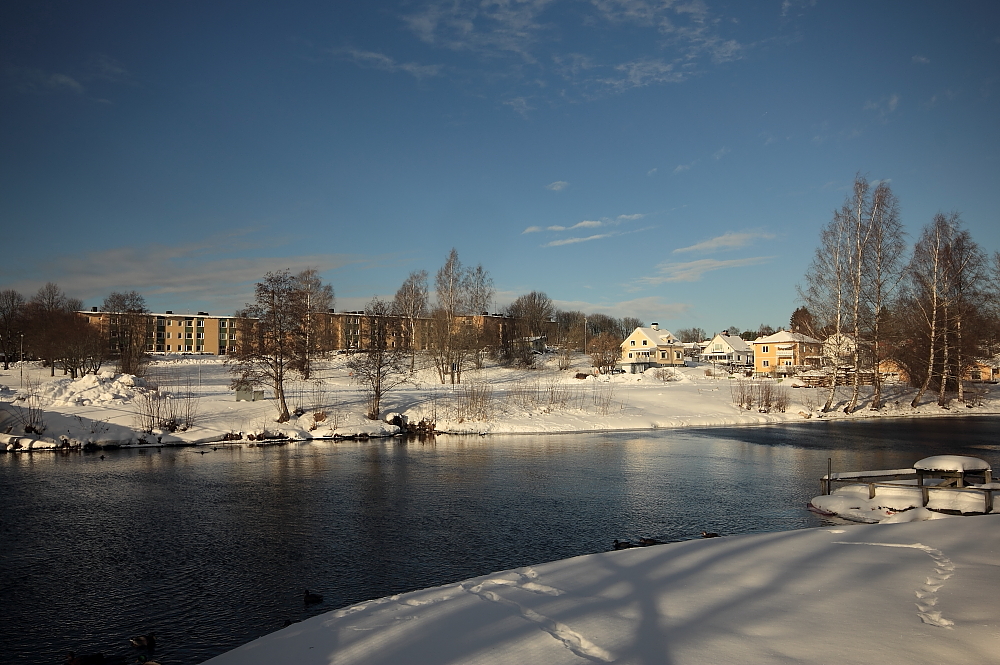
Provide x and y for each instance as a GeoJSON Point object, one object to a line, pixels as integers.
{"type": "Point", "coordinates": [20, 363]}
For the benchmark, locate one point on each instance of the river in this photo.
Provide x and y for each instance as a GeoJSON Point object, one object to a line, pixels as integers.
{"type": "Point", "coordinates": [213, 548]}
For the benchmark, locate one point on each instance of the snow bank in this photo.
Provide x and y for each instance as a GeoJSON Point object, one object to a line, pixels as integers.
{"type": "Point", "coordinates": [106, 388]}
{"type": "Point", "coordinates": [951, 463]}
{"type": "Point", "coordinates": [891, 594]}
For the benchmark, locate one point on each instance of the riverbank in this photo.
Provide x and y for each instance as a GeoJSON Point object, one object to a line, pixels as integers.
{"type": "Point", "coordinates": [897, 593]}
{"type": "Point", "coordinates": [111, 409]}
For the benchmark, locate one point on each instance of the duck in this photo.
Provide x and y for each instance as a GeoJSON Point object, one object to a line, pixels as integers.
{"type": "Point", "coordinates": [311, 598]}
{"type": "Point", "coordinates": [622, 544]}
{"type": "Point", "coordinates": [709, 534]}
{"type": "Point", "coordinates": [646, 542]}
{"type": "Point", "coordinates": [144, 641]}
{"type": "Point", "coordinates": [289, 622]}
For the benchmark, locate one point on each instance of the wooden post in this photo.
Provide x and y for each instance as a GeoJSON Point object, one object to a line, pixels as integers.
{"type": "Point", "coordinates": [829, 475]}
{"type": "Point", "coordinates": [989, 500]}
{"type": "Point", "coordinates": [871, 490]}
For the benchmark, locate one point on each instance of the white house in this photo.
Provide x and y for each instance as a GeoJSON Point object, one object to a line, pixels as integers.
{"type": "Point", "coordinates": [728, 350]}
{"type": "Point", "coordinates": [651, 347]}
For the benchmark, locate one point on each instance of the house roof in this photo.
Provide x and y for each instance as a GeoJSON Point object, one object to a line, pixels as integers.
{"type": "Point", "coordinates": [661, 337]}
{"type": "Point", "coordinates": [735, 342]}
{"type": "Point", "coordinates": [786, 336]}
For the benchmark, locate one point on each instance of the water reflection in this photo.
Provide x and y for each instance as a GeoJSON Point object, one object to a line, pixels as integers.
{"type": "Point", "coordinates": [212, 550]}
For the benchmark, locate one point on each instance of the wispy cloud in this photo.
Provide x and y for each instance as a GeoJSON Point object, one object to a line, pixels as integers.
{"type": "Point", "coordinates": [681, 168]}
{"type": "Point", "coordinates": [33, 80]}
{"type": "Point", "coordinates": [692, 271]}
{"type": "Point", "coordinates": [726, 241]}
{"type": "Point", "coordinates": [921, 60]}
{"type": "Point", "coordinates": [557, 186]}
{"type": "Point", "coordinates": [381, 61]}
{"type": "Point", "coordinates": [884, 107]}
{"type": "Point", "coordinates": [521, 41]}
{"type": "Point", "coordinates": [720, 153]}
{"type": "Point", "coordinates": [520, 105]}
{"type": "Point", "coordinates": [651, 171]}
{"type": "Point", "coordinates": [531, 229]}
{"type": "Point", "coordinates": [169, 276]}
{"type": "Point", "coordinates": [573, 241]}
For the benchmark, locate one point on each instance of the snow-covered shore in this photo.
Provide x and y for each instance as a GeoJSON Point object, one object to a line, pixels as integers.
{"type": "Point", "coordinates": [105, 409]}
{"type": "Point", "coordinates": [890, 593]}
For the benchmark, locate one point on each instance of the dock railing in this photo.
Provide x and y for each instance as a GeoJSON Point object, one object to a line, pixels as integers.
{"type": "Point", "coordinates": [948, 481]}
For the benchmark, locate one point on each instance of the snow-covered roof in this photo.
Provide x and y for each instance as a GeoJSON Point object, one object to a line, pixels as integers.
{"type": "Point", "coordinates": [786, 336]}
{"type": "Point", "coordinates": [735, 342]}
{"type": "Point", "coordinates": [659, 336]}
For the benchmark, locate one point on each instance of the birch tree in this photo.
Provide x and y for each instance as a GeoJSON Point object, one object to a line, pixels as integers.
{"type": "Point", "coordinates": [928, 281]}
{"type": "Point", "coordinates": [965, 270]}
{"type": "Point", "coordinates": [826, 286]}
{"type": "Point", "coordinates": [313, 299]}
{"type": "Point", "coordinates": [410, 304]}
{"type": "Point", "coordinates": [12, 323]}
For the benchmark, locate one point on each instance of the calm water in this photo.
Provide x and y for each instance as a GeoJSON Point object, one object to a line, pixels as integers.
{"type": "Point", "coordinates": [211, 551]}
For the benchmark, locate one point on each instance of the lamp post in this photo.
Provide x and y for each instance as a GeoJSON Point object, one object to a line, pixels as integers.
{"type": "Point", "coordinates": [20, 363]}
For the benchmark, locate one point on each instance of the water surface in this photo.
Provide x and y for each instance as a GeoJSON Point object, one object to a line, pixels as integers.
{"type": "Point", "coordinates": [213, 550]}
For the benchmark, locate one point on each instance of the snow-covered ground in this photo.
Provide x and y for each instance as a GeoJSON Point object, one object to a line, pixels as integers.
{"type": "Point", "coordinates": [923, 592]}
{"type": "Point", "coordinates": [107, 408]}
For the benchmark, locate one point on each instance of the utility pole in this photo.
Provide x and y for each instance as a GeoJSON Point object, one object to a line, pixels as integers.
{"type": "Point", "coordinates": [21, 361]}
{"type": "Point", "coordinates": [584, 335]}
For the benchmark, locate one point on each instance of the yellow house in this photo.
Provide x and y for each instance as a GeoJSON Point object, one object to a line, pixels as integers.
{"type": "Point", "coordinates": [651, 347]}
{"type": "Point", "coordinates": [785, 352]}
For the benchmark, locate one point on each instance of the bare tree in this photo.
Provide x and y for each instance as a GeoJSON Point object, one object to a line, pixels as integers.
{"type": "Point", "coordinates": [928, 282]}
{"type": "Point", "coordinates": [605, 351]}
{"type": "Point", "coordinates": [313, 299]}
{"type": "Point", "coordinates": [46, 312]}
{"type": "Point", "coordinates": [883, 271]}
{"type": "Point", "coordinates": [13, 316]}
{"type": "Point", "coordinates": [267, 332]}
{"type": "Point", "coordinates": [129, 330]}
{"type": "Point", "coordinates": [688, 335]}
{"type": "Point", "coordinates": [826, 285]}
{"type": "Point", "coordinates": [410, 304]}
{"type": "Point", "coordinates": [965, 267]}
{"type": "Point", "coordinates": [379, 368]}
{"type": "Point", "coordinates": [457, 291]}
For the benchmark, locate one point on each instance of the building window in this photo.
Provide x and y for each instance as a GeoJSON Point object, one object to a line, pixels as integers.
{"type": "Point", "coordinates": [630, 354]}
{"type": "Point", "coordinates": [201, 335]}
{"type": "Point", "coordinates": [644, 342]}
{"type": "Point", "coordinates": [763, 349]}
{"type": "Point", "coordinates": [188, 336]}
{"type": "Point", "coordinates": [632, 342]}
{"type": "Point", "coordinates": [168, 347]}
{"type": "Point", "coordinates": [788, 363]}
{"type": "Point", "coordinates": [663, 354]}
{"type": "Point", "coordinates": [766, 363]}
{"type": "Point", "coordinates": [201, 323]}
{"type": "Point", "coordinates": [677, 355]}
{"type": "Point", "coordinates": [223, 323]}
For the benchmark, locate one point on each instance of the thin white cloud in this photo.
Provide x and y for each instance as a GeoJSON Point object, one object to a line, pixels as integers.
{"type": "Point", "coordinates": [651, 171]}
{"type": "Point", "coordinates": [726, 241]}
{"type": "Point", "coordinates": [573, 241]}
{"type": "Point", "coordinates": [383, 62]}
{"type": "Point", "coordinates": [531, 229]}
{"type": "Point", "coordinates": [720, 153]}
{"type": "Point", "coordinates": [32, 80]}
{"type": "Point", "coordinates": [681, 168]}
{"type": "Point", "coordinates": [692, 271]}
{"type": "Point", "coordinates": [885, 106]}
{"type": "Point", "coordinates": [520, 105]}
{"type": "Point", "coordinates": [557, 186]}
{"type": "Point", "coordinates": [921, 60]}
{"type": "Point", "coordinates": [174, 275]}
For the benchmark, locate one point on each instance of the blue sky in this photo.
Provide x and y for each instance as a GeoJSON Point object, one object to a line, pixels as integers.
{"type": "Point", "coordinates": [667, 160]}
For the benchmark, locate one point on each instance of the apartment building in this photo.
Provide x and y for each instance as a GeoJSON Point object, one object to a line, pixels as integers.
{"type": "Point", "coordinates": [174, 333]}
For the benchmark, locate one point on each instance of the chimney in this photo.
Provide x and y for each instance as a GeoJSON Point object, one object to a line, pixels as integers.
{"type": "Point", "coordinates": [93, 309]}
{"type": "Point", "coordinates": [169, 311]}
{"type": "Point", "coordinates": [655, 326]}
